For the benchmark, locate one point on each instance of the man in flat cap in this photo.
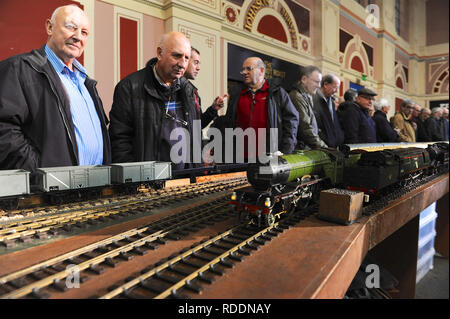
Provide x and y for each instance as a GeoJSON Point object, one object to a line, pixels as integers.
{"type": "Point", "coordinates": [357, 124]}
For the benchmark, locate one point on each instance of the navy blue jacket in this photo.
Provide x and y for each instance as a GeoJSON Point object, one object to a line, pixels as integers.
{"type": "Point", "coordinates": [358, 125]}
{"type": "Point", "coordinates": [329, 129]}
{"type": "Point", "coordinates": [385, 132]}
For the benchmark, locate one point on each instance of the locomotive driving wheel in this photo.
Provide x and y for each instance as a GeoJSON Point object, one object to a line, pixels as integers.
{"type": "Point", "coordinates": [305, 197]}
{"type": "Point", "coordinates": [269, 219]}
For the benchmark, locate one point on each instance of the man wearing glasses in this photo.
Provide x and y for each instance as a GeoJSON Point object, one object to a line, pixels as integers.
{"type": "Point", "coordinates": [357, 124]}
{"type": "Point", "coordinates": [302, 97]}
{"type": "Point", "coordinates": [50, 111]}
{"type": "Point", "coordinates": [262, 104]}
{"type": "Point", "coordinates": [403, 121]}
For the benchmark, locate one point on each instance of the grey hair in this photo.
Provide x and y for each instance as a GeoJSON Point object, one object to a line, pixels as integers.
{"type": "Point", "coordinates": [55, 12]}
{"type": "Point", "coordinates": [435, 110]}
{"type": "Point", "coordinates": [260, 63]}
{"type": "Point", "coordinates": [329, 79]}
{"type": "Point", "coordinates": [380, 103]}
{"type": "Point", "coordinates": [307, 70]}
{"type": "Point", "coordinates": [407, 101]}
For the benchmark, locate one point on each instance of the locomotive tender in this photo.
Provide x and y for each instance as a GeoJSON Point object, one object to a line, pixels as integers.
{"type": "Point", "coordinates": [291, 181]}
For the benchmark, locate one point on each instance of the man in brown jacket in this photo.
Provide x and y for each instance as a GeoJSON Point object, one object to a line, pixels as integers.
{"type": "Point", "coordinates": [402, 121]}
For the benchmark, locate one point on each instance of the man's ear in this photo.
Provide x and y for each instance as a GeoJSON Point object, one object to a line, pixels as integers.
{"type": "Point", "coordinates": [159, 51]}
{"type": "Point", "coordinates": [48, 27]}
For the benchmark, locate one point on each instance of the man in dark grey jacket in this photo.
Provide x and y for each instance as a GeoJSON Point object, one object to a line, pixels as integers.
{"type": "Point", "coordinates": [41, 117]}
{"type": "Point", "coordinates": [151, 104]}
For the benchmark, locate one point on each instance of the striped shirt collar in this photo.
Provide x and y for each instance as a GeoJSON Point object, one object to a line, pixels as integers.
{"type": "Point", "coordinates": [59, 65]}
{"type": "Point", "coordinates": [177, 81]}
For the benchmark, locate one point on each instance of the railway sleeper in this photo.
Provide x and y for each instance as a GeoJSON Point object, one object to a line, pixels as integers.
{"type": "Point", "coordinates": [212, 251]}
{"type": "Point", "coordinates": [202, 257]}
{"type": "Point", "coordinates": [39, 294]}
{"type": "Point", "coordinates": [220, 246]}
{"type": "Point", "coordinates": [173, 236]}
{"type": "Point", "coordinates": [125, 256]}
{"type": "Point", "coordinates": [266, 237]}
{"type": "Point", "coordinates": [166, 278]}
{"type": "Point", "coordinates": [96, 269]}
{"type": "Point", "coordinates": [139, 251]}
{"type": "Point", "coordinates": [132, 295]}
{"type": "Point", "coordinates": [230, 241]}
{"type": "Point", "coordinates": [235, 257]}
{"type": "Point", "coordinates": [176, 295]}
{"type": "Point", "coordinates": [40, 274]}
{"type": "Point", "coordinates": [59, 285]}
{"type": "Point", "coordinates": [226, 263]}
{"type": "Point", "coordinates": [18, 283]}
{"type": "Point", "coordinates": [190, 263]}
{"type": "Point", "coordinates": [259, 241]}
{"type": "Point", "coordinates": [191, 285]}
{"type": "Point", "coordinates": [205, 278]}
{"type": "Point", "coordinates": [252, 246]}
{"type": "Point", "coordinates": [244, 252]}
{"type": "Point", "coordinates": [8, 243]}
{"type": "Point", "coordinates": [216, 270]}
{"type": "Point", "coordinates": [151, 245]}
{"type": "Point", "coordinates": [24, 238]}
{"type": "Point", "coordinates": [41, 235]}
{"type": "Point", "coordinates": [150, 287]}
{"type": "Point", "coordinates": [179, 270]}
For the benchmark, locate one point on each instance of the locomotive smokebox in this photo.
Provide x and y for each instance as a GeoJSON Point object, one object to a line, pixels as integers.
{"type": "Point", "coordinates": [263, 176]}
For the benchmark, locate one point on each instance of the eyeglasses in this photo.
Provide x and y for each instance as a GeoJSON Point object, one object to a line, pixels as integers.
{"type": "Point", "coordinates": [315, 81]}
{"type": "Point", "coordinates": [170, 116]}
{"type": "Point", "coordinates": [410, 107]}
{"type": "Point", "coordinates": [73, 27]}
{"type": "Point", "coordinates": [247, 68]}
{"type": "Point", "coordinates": [369, 98]}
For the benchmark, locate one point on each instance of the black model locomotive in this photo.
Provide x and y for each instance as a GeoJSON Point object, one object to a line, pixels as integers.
{"type": "Point", "coordinates": [288, 182]}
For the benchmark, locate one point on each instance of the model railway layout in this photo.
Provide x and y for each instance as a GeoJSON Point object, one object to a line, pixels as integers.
{"type": "Point", "coordinates": [173, 241]}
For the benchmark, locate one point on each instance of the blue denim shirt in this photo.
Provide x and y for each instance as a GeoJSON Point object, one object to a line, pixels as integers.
{"type": "Point", "coordinates": [85, 119]}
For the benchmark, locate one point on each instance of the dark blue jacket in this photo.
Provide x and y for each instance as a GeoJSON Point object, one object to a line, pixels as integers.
{"type": "Point", "coordinates": [385, 132]}
{"type": "Point", "coordinates": [358, 125]}
{"type": "Point", "coordinates": [329, 128]}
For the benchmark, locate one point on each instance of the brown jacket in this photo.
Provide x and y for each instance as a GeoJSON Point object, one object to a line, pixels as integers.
{"type": "Point", "coordinates": [402, 122]}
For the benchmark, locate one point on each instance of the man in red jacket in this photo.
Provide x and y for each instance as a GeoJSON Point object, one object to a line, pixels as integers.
{"type": "Point", "coordinates": [262, 106]}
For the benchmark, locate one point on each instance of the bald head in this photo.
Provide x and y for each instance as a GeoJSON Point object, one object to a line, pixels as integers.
{"type": "Point", "coordinates": [173, 53]}
{"type": "Point", "coordinates": [253, 71]}
{"type": "Point", "coordinates": [68, 30]}
{"type": "Point", "coordinates": [425, 113]}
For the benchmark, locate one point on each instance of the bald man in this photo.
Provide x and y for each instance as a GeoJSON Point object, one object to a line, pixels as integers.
{"type": "Point", "coordinates": [151, 103]}
{"type": "Point", "coordinates": [423, 135]}
{"type": "Point", "coordinates": [262, 104]}
{"type": "Point", "coordinates": [50, 111]}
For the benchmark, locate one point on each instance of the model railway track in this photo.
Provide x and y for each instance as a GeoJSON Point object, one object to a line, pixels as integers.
{"type": "Point", "coordinates": [11, 216]}
{"type": "Point", "coordinates": [193, 267]}
{"type": "Point", "coordinates": [93, 258]}
{"type": "Point", "coordinates": [41, 227]}
{"type": "Point", "coordinates": [383, 202]}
